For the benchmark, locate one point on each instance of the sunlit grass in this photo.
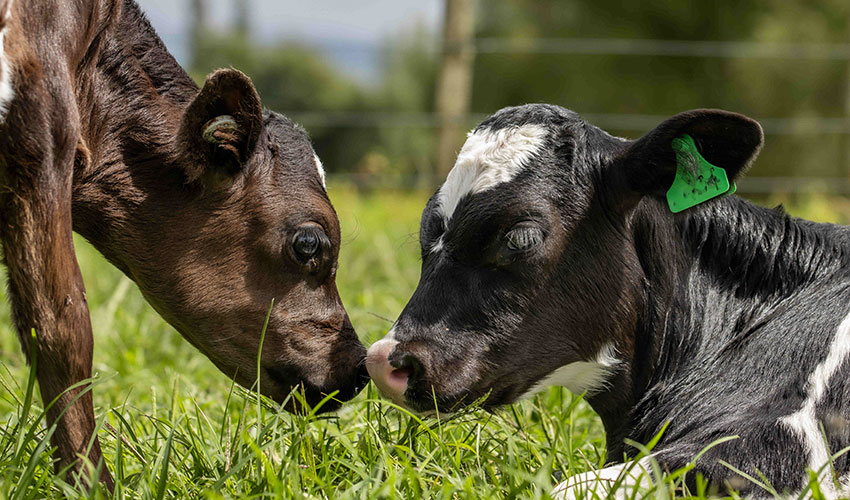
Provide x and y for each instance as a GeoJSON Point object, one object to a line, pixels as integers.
{"type": "Point", "coordinates": [172, 426]}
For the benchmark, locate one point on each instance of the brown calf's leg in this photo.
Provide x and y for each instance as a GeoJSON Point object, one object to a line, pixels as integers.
{"type": "Point", "coordinates": [37, 144]}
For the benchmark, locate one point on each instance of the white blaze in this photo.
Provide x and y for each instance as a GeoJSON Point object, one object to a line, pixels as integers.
{"type": "Point", "coordinates": [487, 159]}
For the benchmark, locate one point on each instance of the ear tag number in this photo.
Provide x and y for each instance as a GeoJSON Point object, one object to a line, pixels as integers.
{"type": "Point", "coordinates": [696, 180]}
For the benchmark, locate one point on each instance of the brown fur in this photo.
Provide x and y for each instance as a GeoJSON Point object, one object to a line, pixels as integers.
{"type": "Point", "coordinates": [103, 137]}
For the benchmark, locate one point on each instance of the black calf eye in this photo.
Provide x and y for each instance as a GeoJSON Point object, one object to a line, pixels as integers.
{"type": "Point", "coordinates": [307, 244]}
{"type": "Point", "coordinates": [523, 237]}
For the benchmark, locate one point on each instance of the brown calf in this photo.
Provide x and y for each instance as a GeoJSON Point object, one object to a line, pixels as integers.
{"type": "Point", "coordinates": [212, 205]}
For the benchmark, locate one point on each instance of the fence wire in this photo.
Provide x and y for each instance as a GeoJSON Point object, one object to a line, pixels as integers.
{"type": "Point", "coordinates": [608, 121]}
{"type": "Point", "coordinates": [636, 123]}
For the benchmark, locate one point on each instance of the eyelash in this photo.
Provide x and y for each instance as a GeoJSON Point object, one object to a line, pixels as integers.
{"type": "Point", "coordinates": [523, 239]}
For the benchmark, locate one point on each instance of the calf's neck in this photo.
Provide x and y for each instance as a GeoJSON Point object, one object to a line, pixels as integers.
{"type": "Point", "coordinates": [550, 257]}
{"type": "Point", "coordinates": [212, 205]}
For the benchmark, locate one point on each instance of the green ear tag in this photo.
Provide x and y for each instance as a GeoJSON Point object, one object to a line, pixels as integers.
{"type": "Point", "coordinates": [696, 179]}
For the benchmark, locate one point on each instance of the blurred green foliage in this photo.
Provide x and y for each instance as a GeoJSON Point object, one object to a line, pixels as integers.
{"type": "Point", "coordinates": [367, 134]}
{"type": "Point", "coordinates": [297, 80]}
{"type": "Point", "coordinates": [664, 85]}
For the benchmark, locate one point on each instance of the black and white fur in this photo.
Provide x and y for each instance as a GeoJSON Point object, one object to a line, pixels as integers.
{"type": "Point", "coordinates": [7, 91]}
{"type": "Point", "coordinates": [550, 258]}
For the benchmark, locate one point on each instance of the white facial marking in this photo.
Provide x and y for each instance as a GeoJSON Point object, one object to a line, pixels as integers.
{"type": "Point", "coordinates": [319, 167]}
{"type": "Point", "coordinates": [438, 245]}
{"type": "Point", "coordinates": [597, 483]}
{"type": "Point", "coordinates": [581, 376]}
{"type": "Point", "coordinates": [7, 92]}
{"type": "Point", "coordinates": [488, 158]}
{"type": "Point", "coordinates": [804, 422]}
{"type": "Point", "coordinates": [390, 334]}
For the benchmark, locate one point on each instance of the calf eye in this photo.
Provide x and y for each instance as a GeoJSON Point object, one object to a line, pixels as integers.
{"type": "Point", "coordinates": [523, 237]}
{"type": "Point", "coordinates": [307, 243]}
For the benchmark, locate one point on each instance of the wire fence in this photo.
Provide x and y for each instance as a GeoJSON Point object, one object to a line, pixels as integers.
{"type": "Point", "coordinates": [610, 121]}
{"type": "Point", "coordinates": [638, 123]}
{"type": "Point", "coordinates": [677, 48]}
{"type": "Point", "coordinates": [626, 47]}
{"type": "Point", "coordinates": [759, 186]}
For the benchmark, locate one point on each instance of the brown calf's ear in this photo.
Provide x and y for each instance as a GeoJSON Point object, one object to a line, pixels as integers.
{"type": "Point", "coordinates": [221, 125]}
{"type": "Point", "coordinates": [727, 140]}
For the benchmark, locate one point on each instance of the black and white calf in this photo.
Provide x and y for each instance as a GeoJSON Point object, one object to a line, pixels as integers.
{"type": "Point", "coordinates": [549, 257]}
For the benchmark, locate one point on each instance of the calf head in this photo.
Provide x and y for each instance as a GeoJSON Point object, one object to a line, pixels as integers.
{"type": "Point", "coordinates": [243, 218]}
{"type": "Point", "coordinates": [527, 276]}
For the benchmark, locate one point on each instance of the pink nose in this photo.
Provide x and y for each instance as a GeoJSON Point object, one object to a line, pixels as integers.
{"type": "Point", "coordinates": [391, 381]}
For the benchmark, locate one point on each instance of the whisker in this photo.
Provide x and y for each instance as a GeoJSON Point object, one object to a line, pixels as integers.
{"type": "Point", "coordinates": [380, 317]}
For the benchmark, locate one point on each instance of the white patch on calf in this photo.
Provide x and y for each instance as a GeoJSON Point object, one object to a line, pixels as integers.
{"type": "Point", "coordinates": [7, 92]}
{"type": "Point", "coordinates": [438, 245]}
{"type": "Point", "coordinates": [628, 477]}
{"type": "Point", "coordinates": [390, 334]}
{"type": "Point", "coordinates": [320, 168]}
{"type": "Point", "coordinates": [845, 485]}
{"type": "Point", "coordinates": [487, 159]}
{"type": "Point", "coordinates": [581, 376]}
{"type": "Point", "coordinates": [804, 422]}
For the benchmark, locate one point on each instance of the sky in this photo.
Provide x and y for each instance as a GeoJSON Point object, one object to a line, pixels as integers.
{"type": "Point", "coordinates": [349, 32]}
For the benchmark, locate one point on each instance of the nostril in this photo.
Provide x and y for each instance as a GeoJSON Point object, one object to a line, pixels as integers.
{"type": "Point", "coordinates": [408, 367]}
{"type": "Point", "coordinates": [400, 376]}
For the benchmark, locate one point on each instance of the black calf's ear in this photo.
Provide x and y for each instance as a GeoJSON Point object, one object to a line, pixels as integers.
{"type": "Point", "coordinates": [221, 125]}
{"type": "Point", "coordinates": [727, 140]}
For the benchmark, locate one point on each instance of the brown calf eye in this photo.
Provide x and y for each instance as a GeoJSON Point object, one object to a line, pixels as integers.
{"type": "Point", "coordinates": [306, 244]}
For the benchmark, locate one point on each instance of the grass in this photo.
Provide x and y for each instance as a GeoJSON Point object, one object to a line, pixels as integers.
{"type": "Point", "coordinates": [172, 426]}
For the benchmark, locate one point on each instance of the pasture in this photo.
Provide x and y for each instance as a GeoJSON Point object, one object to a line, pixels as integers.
{"type": "Point", "coordinates": [173, 426]}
